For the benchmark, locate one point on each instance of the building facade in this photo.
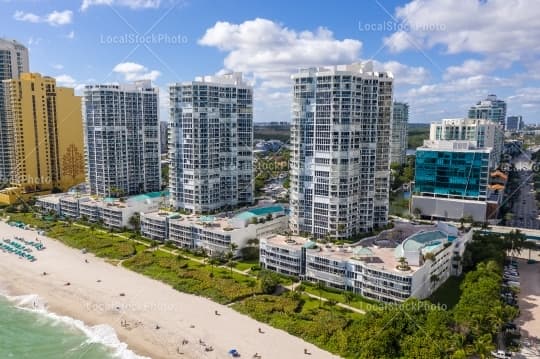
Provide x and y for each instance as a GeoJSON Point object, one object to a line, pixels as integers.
{"type": "Point", "coordinates": [484, 133]}
{"type": "Point", "coordinates": [211, 143]}
{"type": "Point", "coordinates": [400, 120]}
{"type": "Point", "coordinates": [111, 212]}
{"type": "Point", "coordinates": [514, 123]}
{"type": "Point", "coordinates": [491, 108]}
{"type": "Point", "coordinates": [452, 181]}
{"type": "Point", "coordinates": [122, 145]}
{"type": "Point", "coordinates": [164, 137]}
{"type": "Point", "coordinates": [13, 59]}
{"type": "Point", "coordinates": [41, 138]}
{"type": "Point", "coordinates": [379, 268]}
{"type": "Point", "coordinates": [212, 233]}
{"type": "Point", "coordinates": [340, 139]}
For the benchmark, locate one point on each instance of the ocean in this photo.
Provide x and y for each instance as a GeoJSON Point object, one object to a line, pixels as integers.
{"type": "Point", "coordinates": [28, 330]}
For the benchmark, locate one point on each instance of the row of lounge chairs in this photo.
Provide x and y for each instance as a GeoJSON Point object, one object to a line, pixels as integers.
{"type": "Point", "coordinates": [21, 252]}
{"type": "Point", "coordinates": [37, 245]}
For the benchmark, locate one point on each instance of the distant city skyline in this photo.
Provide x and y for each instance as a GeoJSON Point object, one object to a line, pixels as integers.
{"type": "Point", "coordinates": [443, 59]}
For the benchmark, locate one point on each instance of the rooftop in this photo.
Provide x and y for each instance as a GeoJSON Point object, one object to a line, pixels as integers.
{"type": "Point", "coordinates": [452, 145]}
{"type": "Point", "coordinates": [380, 251]}
{"type": "Point", "coordinates": [258, 212]}
{"type": "Point", "coordinates": [161, 215]}
{"type": "Point", "coordinates": [291, 242]}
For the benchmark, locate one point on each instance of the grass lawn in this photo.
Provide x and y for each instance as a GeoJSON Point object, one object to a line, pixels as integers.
{"type": "Point", "coordinates": [246, 264]}
{"type": "Point", "coordinates": [357, 301]}
{"type": "Point", "coordinates": [449, 293]}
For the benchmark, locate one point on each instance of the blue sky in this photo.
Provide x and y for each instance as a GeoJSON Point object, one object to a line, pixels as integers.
{"type": "Point", "coordinates": [445, 55]}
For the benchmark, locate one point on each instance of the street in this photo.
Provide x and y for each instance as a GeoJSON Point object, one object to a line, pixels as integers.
{"type": "Point", "coordinates": [524, 211]}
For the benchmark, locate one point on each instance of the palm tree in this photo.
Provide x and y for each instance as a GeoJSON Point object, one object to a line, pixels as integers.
{"type": "Point", "coordinates": [483, 346]}
{"type": "Point", "coordinates": [230, 261]}
{"type": "Point", "coordinates": [403, 265]}
{"type": "Point", "coordinates": [430, 256]}
{"type": "Point", "coordinates": [135, 221]}
{"type": "Point", "coordinates": [348, 297]}
{"type": "Point", "coordinates": [233, 247]}
{"type": "Point", "coordinates": [213, 260]}
{"type": "Point", "coordinates": [320, 287]}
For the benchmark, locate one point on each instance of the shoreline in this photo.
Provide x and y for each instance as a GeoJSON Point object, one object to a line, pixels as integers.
{"type": "Point", "coordinates": [159, 318]}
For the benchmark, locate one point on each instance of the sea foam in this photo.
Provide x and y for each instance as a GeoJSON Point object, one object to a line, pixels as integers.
{"type": "Point", "coordinates": [100, 334]}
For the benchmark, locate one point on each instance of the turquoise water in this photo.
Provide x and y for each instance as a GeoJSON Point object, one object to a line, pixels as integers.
{"type": "Point", "coordinates": [26, 333]}
{"type": "Point", "coordinates": [265, 210]}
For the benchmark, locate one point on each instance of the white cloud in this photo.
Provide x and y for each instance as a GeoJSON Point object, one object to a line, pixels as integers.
{"type": "Point", "coordinates": [526, 97]}
{"type": "Point", "coordinates": [55, 18]}
{"type": "Point", "coordinates": [71, 35]}
{"type": "Point", "coordinates": [494, 27]}
{"type": "Point", "coordinates": [404, 74]}
{"type": "Point", "coordinates": [268, 53]}
{"type": "Point", "coordinates": [28, 17]}
{"type": "Point", "coordinates": [65, 80]}
{"type": "Point", "coordinates": [132, 4]}
{"type": "Point", "coordinates": [133, 72]}
{"type": "Point", "coordinates": [499, 35]}
{"type": "Point", "coordinates": [34, 40]}
{"type": "Point", "coordinates": [272, 52]}
{"type": "Point", "coordinates": [58, 66]}
{"type": "Point", "coordinates": [69, 81]}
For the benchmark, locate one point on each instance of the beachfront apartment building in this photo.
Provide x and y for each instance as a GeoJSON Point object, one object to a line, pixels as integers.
{"type": "Point", "coordinates": [211, 143]}
{"type": "Point", "coordinates": [214, 234]}
{"type": "Point", "coordinates": [452, 181]}
{"type": "Point", "coordinates": [41, 137]}
{"type": "Point", "coordinates": [13, 59]}
{"type": "Point", "coordinates": [483, 132]}
{"type": "Point", "coordinates": [340, 141]}
{"type": "Point", "coordinates": [399, 144]}
{"type": "Point", "coordinates": [407, 261]}
{"type": "Point", "coordinates": [491, 108]}
{"type": "Point", "coordinates": [111, 212]}
{"type": "Point", "coordinates": [122, 139]}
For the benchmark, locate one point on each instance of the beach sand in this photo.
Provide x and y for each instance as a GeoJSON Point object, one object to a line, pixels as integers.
{"type": "Point", "coordinates": [146, 304]}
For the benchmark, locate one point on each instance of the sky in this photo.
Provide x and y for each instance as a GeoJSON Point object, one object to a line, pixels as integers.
{"type": "Point", "coordinates": [445, 55]}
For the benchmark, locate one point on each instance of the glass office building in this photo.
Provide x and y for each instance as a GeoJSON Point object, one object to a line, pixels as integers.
{"type": "Point", "coordinates": [452, 169]}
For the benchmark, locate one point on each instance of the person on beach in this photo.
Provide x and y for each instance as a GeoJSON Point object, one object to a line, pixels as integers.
{"type": "Point", "coordinates": [216, 312]}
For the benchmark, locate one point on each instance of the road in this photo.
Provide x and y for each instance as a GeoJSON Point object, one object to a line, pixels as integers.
{"type": "Point", "coordinates": [524, 211]}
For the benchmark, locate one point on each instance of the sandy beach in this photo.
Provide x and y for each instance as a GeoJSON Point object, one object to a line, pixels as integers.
{"type": "Point", "coordinates": [93, 296]}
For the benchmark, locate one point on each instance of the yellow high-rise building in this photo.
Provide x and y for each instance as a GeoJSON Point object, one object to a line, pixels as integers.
{"type": "Point", "coordinates": [43, 137]}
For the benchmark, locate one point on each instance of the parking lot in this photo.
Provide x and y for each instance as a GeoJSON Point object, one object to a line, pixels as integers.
{"type": "Point", "coordinates": [529, 305]}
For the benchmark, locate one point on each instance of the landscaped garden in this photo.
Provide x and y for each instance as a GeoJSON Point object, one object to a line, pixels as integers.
{"type": "Point", "coordinates": [414, 329]}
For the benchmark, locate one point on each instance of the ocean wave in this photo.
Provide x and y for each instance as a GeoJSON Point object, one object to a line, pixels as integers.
{"type": "Point", "coordinates": [99, 334]}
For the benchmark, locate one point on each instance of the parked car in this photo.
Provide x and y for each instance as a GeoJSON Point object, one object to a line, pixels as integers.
{"type": "Point", "coordinates": [501, 354]}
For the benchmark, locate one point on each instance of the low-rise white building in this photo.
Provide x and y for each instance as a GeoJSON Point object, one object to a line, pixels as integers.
{"type": "Point", "coordinates": [112, 212]}
{"type": "Point", "coordinates": [397, 264]}
{"type": "Point", "coordinates": [49, 204]}
{"type": "Point", "coordinates": [214, 233]}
